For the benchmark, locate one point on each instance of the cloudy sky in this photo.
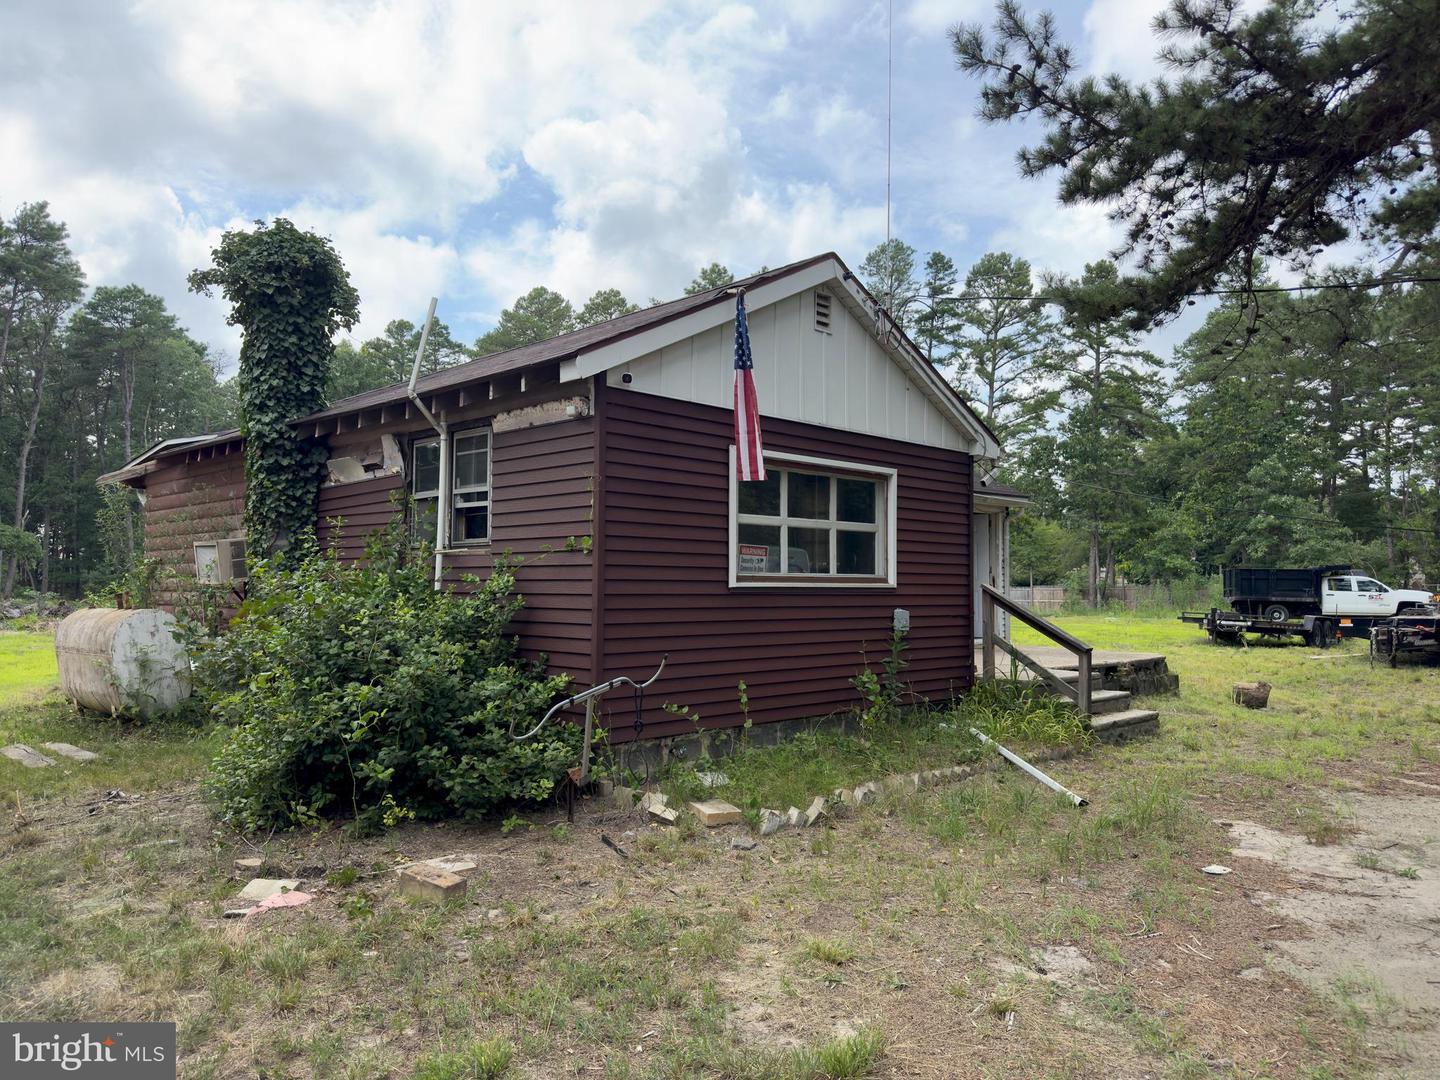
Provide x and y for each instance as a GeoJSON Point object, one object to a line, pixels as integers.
{"type": "Point", "coordinates": [471, 150]}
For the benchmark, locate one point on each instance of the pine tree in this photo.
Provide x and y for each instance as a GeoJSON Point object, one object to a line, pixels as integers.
{"type": "Point", "coordinates": [713, 276]}
{"type": "Point", "coordinates": [539, 314]}
{"type": "Point", "coordinates": [938, 322]}
{"type": "Point", "coordinates": [1007, 345]}
{"type": "Point", "coordinates": [605, 304]}
{"type": "Point", "coordinates": [889, 273]}
{"type": "Point", "coordinates": [1282, 132]}
{"type": "Point", "coordinates": [1110, 396]}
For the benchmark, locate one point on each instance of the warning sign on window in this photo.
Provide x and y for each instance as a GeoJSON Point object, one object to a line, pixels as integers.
{"type": "Point", "coordinates": [754, 558]}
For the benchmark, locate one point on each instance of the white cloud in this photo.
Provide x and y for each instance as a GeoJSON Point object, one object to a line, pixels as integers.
{"type": "Point", "coordinates": [1120, 39]}
{"type": "Point", "coordinates": [1059, 238]}
{"type": "Point", "coordinates": [937, 16]}
{"type": "Point", "coordinates": [471, 151]}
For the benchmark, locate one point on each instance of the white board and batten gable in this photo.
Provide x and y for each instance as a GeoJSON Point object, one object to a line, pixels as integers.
{"type": "Point", "coordinates": [818, 360]}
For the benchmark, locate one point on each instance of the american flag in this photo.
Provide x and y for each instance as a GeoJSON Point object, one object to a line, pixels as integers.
{"type": "Point", "coordinates": [749, 455]}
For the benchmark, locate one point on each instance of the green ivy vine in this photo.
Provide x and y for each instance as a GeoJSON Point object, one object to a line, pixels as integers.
{"type": "Point", "coordinates": [289, 293]}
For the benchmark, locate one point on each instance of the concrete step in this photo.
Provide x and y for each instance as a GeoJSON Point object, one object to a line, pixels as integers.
{"type": "Point", "coordinates": [1109, 701]}
{"type": "Point", "coordinates": [1122, 726]}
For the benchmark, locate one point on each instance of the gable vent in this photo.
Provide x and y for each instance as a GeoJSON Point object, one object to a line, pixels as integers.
{"type": "Point", "coordinates": [822, 312]}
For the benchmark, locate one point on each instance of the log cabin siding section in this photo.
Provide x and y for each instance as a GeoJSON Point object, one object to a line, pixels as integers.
{"type": "Point", "coordinates": [665, 574]}
{"type": "Point", "coordinates": [188, 502]}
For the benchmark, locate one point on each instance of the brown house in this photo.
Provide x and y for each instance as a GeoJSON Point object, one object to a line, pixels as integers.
{"type": "Point", "coordinates": [621, 437]}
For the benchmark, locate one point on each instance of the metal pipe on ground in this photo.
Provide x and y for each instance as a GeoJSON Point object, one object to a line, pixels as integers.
{"type": "Point", "coordinates": [1020, 763]}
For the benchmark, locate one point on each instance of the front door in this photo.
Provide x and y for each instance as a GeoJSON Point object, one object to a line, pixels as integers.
{"type": "Point", "coordinates": [1339, 597]}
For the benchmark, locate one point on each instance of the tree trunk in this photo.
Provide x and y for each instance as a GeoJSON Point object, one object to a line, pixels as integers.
{"type": "Point", "coordinates": [1094, 568]}
{"type": "Point", "coordinates": [127, 385]}
{"type": "Point", "coordinates": [22, 465]}
{"type": "Point", "coordinates": [45, 556]}
{"type": "Point", "coordinates": [5, 331]}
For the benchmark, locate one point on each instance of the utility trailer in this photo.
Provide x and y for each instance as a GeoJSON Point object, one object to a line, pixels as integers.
{"type": "Point", "coordinates": [1226, 627]}
{"type": "Point", "coordinates": [1415, 633]}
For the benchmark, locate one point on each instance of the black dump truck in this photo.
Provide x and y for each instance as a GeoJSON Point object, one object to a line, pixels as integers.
{"type": "Point", "coordinates": [1315, 603]}
{"type": "Point", "coordinates": [1276, 593]}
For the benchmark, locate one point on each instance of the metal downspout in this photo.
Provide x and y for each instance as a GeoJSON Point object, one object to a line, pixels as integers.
{"type": "Point", "coordinates": [442, 502]}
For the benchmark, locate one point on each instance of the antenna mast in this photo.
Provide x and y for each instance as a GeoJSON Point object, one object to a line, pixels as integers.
{"type": "Point", "coordinates": [889, 84]}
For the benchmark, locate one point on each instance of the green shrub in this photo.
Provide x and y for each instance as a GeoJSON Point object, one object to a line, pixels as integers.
{"type": "Point", "coordinates": [360, 689]}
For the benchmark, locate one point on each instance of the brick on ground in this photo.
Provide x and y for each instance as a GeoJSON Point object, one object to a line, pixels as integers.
{"type": "Point", "coordinates": [429, 883]}
{"type": "Point", "coordinates": [715, 812]}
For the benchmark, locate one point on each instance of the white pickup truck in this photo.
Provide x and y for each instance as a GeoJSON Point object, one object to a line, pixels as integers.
{"type": "Point", "coordinates": [1356, 594]}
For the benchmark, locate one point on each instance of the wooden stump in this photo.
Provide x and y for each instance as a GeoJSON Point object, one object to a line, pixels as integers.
{"type": "Point", "coordinates": [1253, 695]}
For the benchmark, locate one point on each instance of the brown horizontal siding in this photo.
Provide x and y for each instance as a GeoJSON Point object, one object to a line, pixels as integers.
{"type": "Point", "coordinates": [541, 496]}
{"type": "Point", "coordinates": [347, 515]}
{"type": "Point", "coordinates": [664, 567]}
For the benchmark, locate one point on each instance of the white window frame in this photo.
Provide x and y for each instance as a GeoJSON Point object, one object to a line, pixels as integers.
{"type": "Point", "coordinates": [224, 563]}
{"type": "Point", "coordinates": [886, 521]}
{"type": "Point", "coordinates": [454, 490]}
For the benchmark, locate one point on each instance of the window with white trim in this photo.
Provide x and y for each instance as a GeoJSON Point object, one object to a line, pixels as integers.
{"type": "Point", "coordinates": [469, 486]}
{"type": "Point", "coordinates": [218, 561]}
{"type": "Point", "coordinates": [813, 522]}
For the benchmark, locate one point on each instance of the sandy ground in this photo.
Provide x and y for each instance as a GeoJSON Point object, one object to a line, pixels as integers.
{"type": "Point", "coordinates": [1371, 904]}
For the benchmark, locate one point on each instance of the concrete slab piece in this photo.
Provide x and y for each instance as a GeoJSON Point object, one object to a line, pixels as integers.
{"type": "Point", "coordinates": [816, 811]}
{"type": "Point", "coordinates": [74, 753]}
{"type": "Point", "coordinates": [27, 756]}
{"type": "Point", "coordinates": [259, 888]}
{"type": "Point", "coordinates": [459, 865]}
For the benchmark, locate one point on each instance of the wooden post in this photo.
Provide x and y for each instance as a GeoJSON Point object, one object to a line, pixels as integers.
{"type": "Point", "coordinates": [1083, 685]}
{"type": "Point", "coordinates": [987, 635]}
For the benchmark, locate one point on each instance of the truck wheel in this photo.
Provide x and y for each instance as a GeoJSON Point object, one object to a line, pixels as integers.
{"type": "Point", "coordinates": [1276, 613]}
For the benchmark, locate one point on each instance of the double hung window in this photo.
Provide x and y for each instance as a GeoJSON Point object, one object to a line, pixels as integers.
{"type": "Point", "coordinates": [469, 486]}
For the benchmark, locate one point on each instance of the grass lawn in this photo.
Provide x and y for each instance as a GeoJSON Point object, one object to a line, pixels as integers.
{"type": "Point", "coordinates": [983, 929]}
{"type": "Point", "coordinates": [27, 666]}
{"type": "Point", "coordinates": [132, 757]}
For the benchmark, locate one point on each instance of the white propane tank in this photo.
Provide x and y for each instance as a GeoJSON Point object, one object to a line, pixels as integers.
{"type": "Point", "coordinates": [122, 662]}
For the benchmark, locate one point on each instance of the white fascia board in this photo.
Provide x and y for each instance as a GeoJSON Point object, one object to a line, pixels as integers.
{"type": "Point", "coordinates": [587, 364]}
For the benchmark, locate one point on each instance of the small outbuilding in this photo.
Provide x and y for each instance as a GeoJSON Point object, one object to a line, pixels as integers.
{"type": "Point", "coordinates": [620, 436]}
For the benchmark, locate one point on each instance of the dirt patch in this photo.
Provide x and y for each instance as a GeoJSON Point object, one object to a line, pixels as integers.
{"type": "Point", "coordinates": [1371, 906]}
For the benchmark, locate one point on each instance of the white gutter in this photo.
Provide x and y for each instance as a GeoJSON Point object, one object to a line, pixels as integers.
{"type": "Point", "coordinates": [442, 502]}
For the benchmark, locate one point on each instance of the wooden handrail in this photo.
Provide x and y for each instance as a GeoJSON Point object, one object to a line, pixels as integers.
{"type": "Point", "coordinates": [990, 599]}
{"type": "Point", "coordinates": [1038, 622]}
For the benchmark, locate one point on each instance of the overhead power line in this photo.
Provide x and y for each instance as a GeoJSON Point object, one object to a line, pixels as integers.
{"type": "Point", "coordinates": [1376, 283]}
